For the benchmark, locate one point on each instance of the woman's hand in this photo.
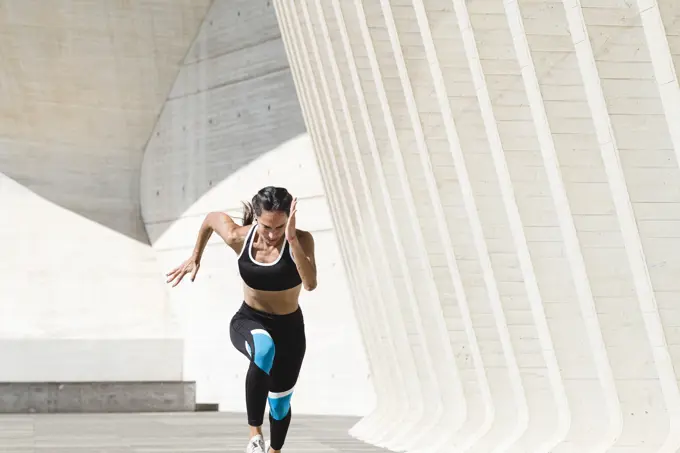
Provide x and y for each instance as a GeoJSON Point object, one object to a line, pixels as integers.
{"type": "Point", "coordinates": [189, 266]}
{"type": "Point", "coordinates": [291, 232]}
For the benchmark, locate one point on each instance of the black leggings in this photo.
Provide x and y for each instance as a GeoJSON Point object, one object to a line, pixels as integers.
{"type": "Point", "coordinates": [275, 346]}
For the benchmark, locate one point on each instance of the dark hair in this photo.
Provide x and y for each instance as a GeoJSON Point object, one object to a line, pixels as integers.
{"type": "Point", "coordinates": [269, 198]}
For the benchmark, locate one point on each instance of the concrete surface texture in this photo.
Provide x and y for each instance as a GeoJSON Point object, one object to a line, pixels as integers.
{"type": "Point", "coordinates": [231, 125]}
{"type": "Point", "coordinates": [81, 85]}
{"type": "Point", "coordinates": [99, 397]}
{"type": "Point", "coordinates": [121, 125]}
{"type": "Point", "coordinates": [167, 433]}
{"type": "Point", "coordinates": [504, 181]}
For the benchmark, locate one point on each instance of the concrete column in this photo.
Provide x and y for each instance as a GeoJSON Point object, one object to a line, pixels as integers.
{"type": "Point", "coordinates": [507, 173]}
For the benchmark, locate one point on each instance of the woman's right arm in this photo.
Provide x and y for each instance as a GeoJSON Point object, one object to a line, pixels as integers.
{"type": "Point", "coordinates": [220, 223]}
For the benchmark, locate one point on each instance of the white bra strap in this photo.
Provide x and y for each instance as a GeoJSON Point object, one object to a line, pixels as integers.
{"type": "Point", "coordinates": [249, 238]}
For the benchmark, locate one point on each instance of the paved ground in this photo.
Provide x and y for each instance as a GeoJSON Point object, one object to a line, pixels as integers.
{"type": "Point", "coordinates": [165, 433]}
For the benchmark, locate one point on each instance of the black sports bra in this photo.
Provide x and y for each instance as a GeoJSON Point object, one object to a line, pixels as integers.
{"type": "Point", "coordinates": [280, 275]}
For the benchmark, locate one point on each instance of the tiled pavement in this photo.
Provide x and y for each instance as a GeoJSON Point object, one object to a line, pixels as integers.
{"type": "Point", "coordinates": [202, 432]}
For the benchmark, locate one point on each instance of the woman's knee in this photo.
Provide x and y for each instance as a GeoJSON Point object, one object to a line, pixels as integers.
{"type": "Point", "coordinates": [265, 350]}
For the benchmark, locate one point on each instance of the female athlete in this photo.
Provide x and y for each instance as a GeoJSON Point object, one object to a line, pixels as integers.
{"type": "Point", "coordinates": [275, 260]}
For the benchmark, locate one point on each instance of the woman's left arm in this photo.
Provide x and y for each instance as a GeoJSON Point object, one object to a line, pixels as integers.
{"type": "Point", "coordinates": [303, 254]}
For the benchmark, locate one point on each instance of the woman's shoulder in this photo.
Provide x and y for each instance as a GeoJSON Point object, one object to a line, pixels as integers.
{"type": "Point", "coordinates": [241, 231]}
{"type": "Point", "coordinates": [303, 234]}
{"type": "Point", "coordinates": [305, 238]}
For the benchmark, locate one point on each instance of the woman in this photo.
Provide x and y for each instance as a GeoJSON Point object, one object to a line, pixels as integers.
{"type": "Point", "coordinates": [275, 260]}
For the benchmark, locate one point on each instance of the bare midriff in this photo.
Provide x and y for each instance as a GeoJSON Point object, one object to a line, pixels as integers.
{"type": "Point", "coordinates": [276, 302]}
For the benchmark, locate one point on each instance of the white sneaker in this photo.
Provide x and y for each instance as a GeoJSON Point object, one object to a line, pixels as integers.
{"type": "Point", "coordinates": [267, 445]}
{"type": "Point", "coordinates": [256, 445]}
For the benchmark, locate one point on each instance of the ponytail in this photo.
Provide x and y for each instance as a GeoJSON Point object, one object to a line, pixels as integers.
{"type": "Point", "coordinates": [248, 213]}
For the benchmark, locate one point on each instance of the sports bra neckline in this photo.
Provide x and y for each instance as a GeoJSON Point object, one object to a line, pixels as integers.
{"type": "Point", "coordinates": [250, 239]}
{"type": "Point", "coordinates": [279, 275]}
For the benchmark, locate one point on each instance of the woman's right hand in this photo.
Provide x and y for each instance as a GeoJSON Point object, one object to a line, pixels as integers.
{"type": "Point", "coordinates": [190, 266]}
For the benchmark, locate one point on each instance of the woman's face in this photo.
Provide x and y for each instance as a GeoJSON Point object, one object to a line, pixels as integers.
{"type": "Point", "coordinates": [271, 225]}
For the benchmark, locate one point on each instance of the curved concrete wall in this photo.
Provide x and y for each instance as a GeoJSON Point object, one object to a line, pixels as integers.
{"type": "Point", "coordinates": [504, 180]}
{"type": "Point", "coordinates": [232, 125]}
{"type": "Point", "coordinates": [121, 125]}
{"type": "Point", "coordinates": [81, 85]}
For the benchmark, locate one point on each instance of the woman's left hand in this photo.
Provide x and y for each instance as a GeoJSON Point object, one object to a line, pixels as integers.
{"type": "Point", "coordinates": [291, 232]}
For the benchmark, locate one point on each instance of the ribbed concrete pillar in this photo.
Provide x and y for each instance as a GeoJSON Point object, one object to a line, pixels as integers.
{"type": "Point", "coordinates": [504, 179]}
